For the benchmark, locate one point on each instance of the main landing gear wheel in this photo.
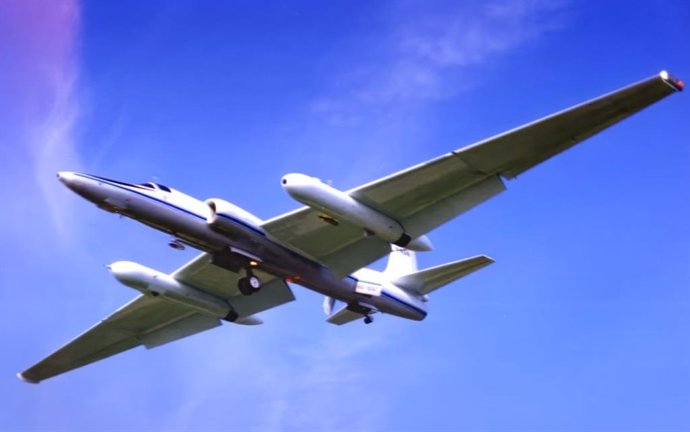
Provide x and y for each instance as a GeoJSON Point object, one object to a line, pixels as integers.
{"type": "Point", "coordinates": [249, 285]}
{"type": "Point", "coordinates": [368, 320]}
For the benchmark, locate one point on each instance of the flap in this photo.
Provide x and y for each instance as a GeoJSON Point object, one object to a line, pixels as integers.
{"type": "Point", "coordinates": [182, 328]}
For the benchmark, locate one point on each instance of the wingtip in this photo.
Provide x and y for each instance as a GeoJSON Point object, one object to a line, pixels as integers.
{"type": "Point", "coordinates": [21, 376]}
{"type": "Point", "coordinates": [672, 81]}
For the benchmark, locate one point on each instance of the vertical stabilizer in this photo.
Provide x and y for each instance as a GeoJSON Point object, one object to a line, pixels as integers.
{"type": "Point", "coordinates": [401, 262]}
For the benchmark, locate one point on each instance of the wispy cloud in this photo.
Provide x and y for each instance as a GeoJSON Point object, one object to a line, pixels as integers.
{"type": "Point", "coordinates": [40, 103]}
{"type": "Point", "coordinates": [54, 146]}
{"type": "Point", "coordinates": [330, 372]}
{"type": "Point", "coordinates": [429, 50]}
{"type": "Point", "coordinates": [284, 386]}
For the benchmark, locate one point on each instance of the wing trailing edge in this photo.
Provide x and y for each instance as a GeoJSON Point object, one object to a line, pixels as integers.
{"type": "Point", "coordinates": [513, 152]}
{"type": "Point", "coordinates": [146, 320]}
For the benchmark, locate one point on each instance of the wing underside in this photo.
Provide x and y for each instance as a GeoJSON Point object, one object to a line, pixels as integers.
{"type": "Point", "coordinates": [204, 274]}
{"type": "Point", "coordinates": [153, 321]}
{"type": "Point", "coordinates": [425, 196]}
{"type": "Point", "coordinates": [147, 321]}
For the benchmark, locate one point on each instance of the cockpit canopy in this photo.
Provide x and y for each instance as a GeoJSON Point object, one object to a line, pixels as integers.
{"type": "Point", "coordinates": [155, 186]}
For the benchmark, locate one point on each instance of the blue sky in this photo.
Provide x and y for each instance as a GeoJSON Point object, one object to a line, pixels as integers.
{"type": "Point", "coordinates": [583, 323]}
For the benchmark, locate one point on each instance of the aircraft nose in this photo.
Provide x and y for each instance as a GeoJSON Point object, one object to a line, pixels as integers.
{"type": "Point", "coordinates": [65, 177]}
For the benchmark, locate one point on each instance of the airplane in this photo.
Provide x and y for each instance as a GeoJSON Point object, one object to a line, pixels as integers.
{"type": "Point", "coordinates": [246, 264]}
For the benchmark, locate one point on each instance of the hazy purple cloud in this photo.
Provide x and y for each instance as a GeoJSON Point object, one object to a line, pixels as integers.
{"type": "Point", "coordinates": [38, 78]}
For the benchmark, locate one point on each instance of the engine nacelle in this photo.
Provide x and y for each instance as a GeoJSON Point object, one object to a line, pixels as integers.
{"type": "Point", "coordinates": [339, 205]}
{"type": "Point", "coordinates": [155, 283]}
{"type": "Point", "coordinates": [227, 217]}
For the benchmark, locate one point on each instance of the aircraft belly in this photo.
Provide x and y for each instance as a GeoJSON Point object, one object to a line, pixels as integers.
{"type": "Point", "coordinates": [397, 305]}
{"type": "Point", "coordinates": [193, 229]}
{"type": "Point", "coordinates": [188, 227]}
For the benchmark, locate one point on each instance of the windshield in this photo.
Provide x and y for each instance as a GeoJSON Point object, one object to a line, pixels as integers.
{"type": "Point", "coordinates": [150, 185]}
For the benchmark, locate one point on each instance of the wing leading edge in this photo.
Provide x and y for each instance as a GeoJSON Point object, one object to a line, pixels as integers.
{"type": "Point", "coordinates": [427, 195]}
{"type": "Point", "coordinates": [147, 321]}
{"type": "Point", "coordinates": [154, 321]}
{"type": "Point", "coordinates": [514, 152]}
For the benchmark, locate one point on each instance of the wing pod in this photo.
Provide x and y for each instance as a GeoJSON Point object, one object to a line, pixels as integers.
{"type": "Point", "coordinates": [338, 205]}
{"type": "Point", "coordinates": [154, 283]}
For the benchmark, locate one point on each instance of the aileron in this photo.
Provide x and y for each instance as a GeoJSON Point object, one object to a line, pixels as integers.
{"type": "Point", "coordinates": [514, 152]}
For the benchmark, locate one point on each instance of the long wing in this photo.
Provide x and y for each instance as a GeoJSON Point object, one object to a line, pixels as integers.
{"type": "Point", "coordinates": [425, 196]}
{"type": "Point", "coordinates": [147, 321]}
{"type": "Point", "coordinates": [154, 321]}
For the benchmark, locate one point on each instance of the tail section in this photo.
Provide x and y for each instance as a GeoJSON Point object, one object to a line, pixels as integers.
{"type": "Point", "coordinates": [401, 289]}
{"type": "Point", "coordinates": [400, 262]}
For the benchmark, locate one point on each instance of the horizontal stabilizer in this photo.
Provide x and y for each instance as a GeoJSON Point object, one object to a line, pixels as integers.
{"type": "Point", "coordinates": [428, 280]}
{"type": "Point", "coordinates": [344, 315]}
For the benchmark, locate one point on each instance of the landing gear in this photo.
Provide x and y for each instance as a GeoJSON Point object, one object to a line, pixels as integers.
{"type": "Point", "coordinates": [250, 284]}
{"type": "Point", "coordinates": [368, 320]}
{"type": "Point", "coordinates": [176, 244]}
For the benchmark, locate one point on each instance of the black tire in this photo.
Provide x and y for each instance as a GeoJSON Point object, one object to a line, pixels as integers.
{"type": "Point", "coordinates": [368, 320]}
{"type": "Point", "coordinates": [245, 287]}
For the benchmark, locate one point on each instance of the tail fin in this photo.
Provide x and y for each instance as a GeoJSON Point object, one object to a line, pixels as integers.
{"type": "Point", "coordinates": [400, 262]}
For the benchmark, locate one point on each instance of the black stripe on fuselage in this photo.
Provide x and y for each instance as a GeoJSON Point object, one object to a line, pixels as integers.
{"type": "Point", "coordinates": [127, 186]}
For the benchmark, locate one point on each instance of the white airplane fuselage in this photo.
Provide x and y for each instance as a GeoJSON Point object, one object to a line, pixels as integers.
{"type": "Point", "coordinates": [236, 238]}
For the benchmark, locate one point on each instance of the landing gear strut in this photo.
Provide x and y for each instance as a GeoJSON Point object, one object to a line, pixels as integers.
{"type": "Point", "coordinates": [250, 284]}
{"type": "Point", "coordinates": [176, 244]}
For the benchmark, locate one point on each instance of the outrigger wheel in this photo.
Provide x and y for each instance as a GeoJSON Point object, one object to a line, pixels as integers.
{"type": "Point", "coordinates": [250, 284]}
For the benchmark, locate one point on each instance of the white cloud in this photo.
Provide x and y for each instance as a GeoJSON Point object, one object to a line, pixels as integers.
{"type": "Point", "coordinates": [326, 374]}
{"type": "Point", "coordinates": [326, 382]}
{"type": "Point", "coordinates": [54, 149]}
{"type": "Point", "coordinates": [427, 52]}
{"type": "Point", "coordinates": [40, 109]}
